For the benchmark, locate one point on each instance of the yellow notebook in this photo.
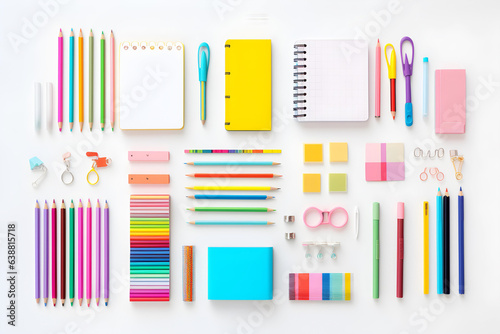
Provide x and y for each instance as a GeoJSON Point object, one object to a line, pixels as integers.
{"type": "Point", "coordinates": [248, 84]}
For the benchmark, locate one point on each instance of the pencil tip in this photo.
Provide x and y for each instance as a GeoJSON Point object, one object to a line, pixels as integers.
{"type": "Point", "coordinates": [60, 30]}
{"type": "Point", "coordinates": [54, 201]}
{"type": "Point", "coordinates": [71, 29]}
{"type": "Point", "coordinates": [45, 304]}
{"type": "Point", "coordinates": [460, 188]}
{"type": "Point", "coordinates": [106, 303]}
{"type": "Point", "coordinates": [63, 201]}
{"type": "Point", "coordinates": [102, 129]}
{"type": "Point", "coordinates": [71, 304]}
{"type": "Point", "coordinates": [439, 188]}
{"type": "Point", "coordinates": [446, 189]}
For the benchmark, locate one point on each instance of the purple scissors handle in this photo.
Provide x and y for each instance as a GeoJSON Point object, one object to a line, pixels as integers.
{"type": "Point", "coordinates": [407, 66]}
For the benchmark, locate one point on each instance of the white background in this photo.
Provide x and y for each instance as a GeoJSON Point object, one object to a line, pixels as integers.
{"type": "Point", "coordinates": [452, 34]}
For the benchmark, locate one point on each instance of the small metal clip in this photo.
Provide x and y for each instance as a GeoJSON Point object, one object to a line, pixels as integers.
{"type": "Point", "coordinates": [67, 177]}
{"type": "Point", "coordinates": [97, 162]}
{"type": "Point", "coordinates": [419, 153]}
{"type": "Point", "coordinates": [458, 161]}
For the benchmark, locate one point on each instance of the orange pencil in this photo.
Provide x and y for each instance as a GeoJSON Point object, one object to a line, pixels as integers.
{"type": "Point", "coordinates": [80, 79]}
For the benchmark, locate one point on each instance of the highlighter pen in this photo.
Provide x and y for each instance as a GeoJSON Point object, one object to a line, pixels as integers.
{"type": "Point", "coordinates": [439, 242]}
{"type": "Point", "coordinates": [446, 243]}
{"type": "Point", "coordinates": [461, 285]}
{"type": "Point", "coordinates": [400, 249]}
{"type": "Point", "coordinates": [391, 68]}
{"type": "Point", "coordinates": [376, 248]}
{"type": "Point", "coordinates": [203, 62]}
{"type": "Point", "coordinates": [426, 247]}
{"type": "Point", "coordinates": [425, 89]}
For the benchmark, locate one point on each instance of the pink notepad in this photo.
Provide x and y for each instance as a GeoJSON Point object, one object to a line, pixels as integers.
{"type": "Point", "coordinates": [450, 101]}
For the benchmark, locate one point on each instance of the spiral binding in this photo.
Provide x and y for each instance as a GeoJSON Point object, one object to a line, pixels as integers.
{"type": "Point", "coordinates": [152, 46]}
{"type": "Point", "coordinates": [299, 81]}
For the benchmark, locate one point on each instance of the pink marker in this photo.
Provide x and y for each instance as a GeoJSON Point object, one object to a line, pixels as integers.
{"type": "Point", "coordinates": [88, 289]}
{"type": "Point", "coordinates": [80, 252]}
{"type": "Point", "coordinates": [377, 80]}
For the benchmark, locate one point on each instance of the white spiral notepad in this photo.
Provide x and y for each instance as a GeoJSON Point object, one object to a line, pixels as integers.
{"type": "Point", "coordinates": [330, 80]}
{"type": "Point", "coordinates": [151, 86]}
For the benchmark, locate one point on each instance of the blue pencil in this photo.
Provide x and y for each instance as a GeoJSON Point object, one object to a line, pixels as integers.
{"type": "Point", "coordinates": [71, 77]}
{"type": "Point", "coordinates": [245, 197]}
{"type": "Point", "coordinates": [439, 241]}
{"type": "Point", "coordinates": [233, 163]}
{"type": "Point", "coordinates": [461, 287]}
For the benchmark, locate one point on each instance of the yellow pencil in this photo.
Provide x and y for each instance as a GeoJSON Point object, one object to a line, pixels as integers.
{"type": "Point", "coordinates": [232, 188]}
{"type": "Point", "coordinates": [80, 79]}
{"type": "Point", "coordinates": [426, 248]}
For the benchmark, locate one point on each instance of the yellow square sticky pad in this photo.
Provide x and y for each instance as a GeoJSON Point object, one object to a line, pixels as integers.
{"type": "Point", "coordinates": [338, 152]}
{"type": "Point", "coordinates": [311, 183]}
{"type": "Point", "coordinates": [337, 182]}
{"type": "Point", "coordinates": [313, 152]}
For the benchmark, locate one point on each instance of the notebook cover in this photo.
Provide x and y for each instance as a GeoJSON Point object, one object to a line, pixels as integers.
{"type": "Point", "coordinates": [151, 86]}
{"type": "Point", "coordinates": [248, 84]}
{"type": "Point", "coordinates": [450, 101]}
{"type": "Point", "coordinates": [240, 273]}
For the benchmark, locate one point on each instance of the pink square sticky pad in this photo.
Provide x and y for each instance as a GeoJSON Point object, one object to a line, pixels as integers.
{"type": "Point", "coordinates": [373, 171]}
{"type": "Point", "coordinates": [395, 171]}
{"type": "Point", "coordinates": [373, 152]}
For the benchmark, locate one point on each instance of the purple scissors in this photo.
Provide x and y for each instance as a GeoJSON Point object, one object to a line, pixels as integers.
{"type": "Point", "coordinates": [407, 71]}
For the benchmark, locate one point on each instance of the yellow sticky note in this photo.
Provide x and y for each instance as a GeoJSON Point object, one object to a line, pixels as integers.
{"type": "Point", "coordinates": [313, 152]}
{"type": "Point", "coordinates": [311, 183]}
{"type": "Point", "coordinates": [338, 152]}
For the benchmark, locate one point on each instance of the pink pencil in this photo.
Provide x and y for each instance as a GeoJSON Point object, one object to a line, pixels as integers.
{"type": "Point", "coordinates": [54, 252]}
{"type": "Point", "coordinates": [112, 81]}
{"type": "Point", "coordinates": [98, 253]}
{"type": "Point", "coordinates": [377, 80]}
{"type": "Point", "coordinates": [89, 253]}
{"type": "Point", "coordinates": [60, 81]}
{"type": "Point", "coordinates": [80, 252]}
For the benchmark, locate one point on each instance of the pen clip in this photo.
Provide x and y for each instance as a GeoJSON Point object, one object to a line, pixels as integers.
{"type": "Point", "coordinates": [203, 61]}
{"type": "Point", "coordinates": [391, 66]}
{"type": "Point", "coordinates": [407, 67]}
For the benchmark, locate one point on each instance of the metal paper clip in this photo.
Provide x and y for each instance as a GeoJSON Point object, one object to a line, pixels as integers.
{"type": "Point", "coordinates": [320, 245]}
{"type": "Point", "coordinates": [433, 171]}
{"type": "Point", "coordinates": [97, 162]}
{"type": "Point", "coordinates": [458, 161]}
{"type": "Point", "coordinates": [67, 177]}
{"type": "Point", "coordinates": [419, 153]}
{"type": "Point", "coordinates": [37, 165]}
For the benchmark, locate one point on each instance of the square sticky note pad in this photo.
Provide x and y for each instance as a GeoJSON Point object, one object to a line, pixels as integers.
{"type": "Point", "coordinates": [385, 162]}
{"type": "Point", "coordinates": [311, 183]}
{"type": "Point", "coordinates": [338, 152]}
{"type": "Point", "coordinates": [313, 152]}
{"type": "Point", "coordinates": [337, 182]}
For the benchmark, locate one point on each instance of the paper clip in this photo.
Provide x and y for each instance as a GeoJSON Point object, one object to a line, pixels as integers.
{"type": "Point", "coordinates": [67, 177]}
{"type": "Point", "coordinates": [458, 161]}
{"type": "Point", "coordinates": [37, 165]}
{"type": "Point", "coordinates": [320, 245]}
{"type": "Point", "coordinates": [419, 153]}
{"type": "Point", "coordinates": [97, 162]}
{"type": "Point", "coordinates": [433, 171]}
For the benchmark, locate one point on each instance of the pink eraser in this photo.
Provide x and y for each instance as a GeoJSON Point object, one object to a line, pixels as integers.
{"type": "Point", "coordinates": [450, 101]}
{"type": "Point", "coordinates": [148, 155]}
{"type": "Point", "coordinates": [401, 210]}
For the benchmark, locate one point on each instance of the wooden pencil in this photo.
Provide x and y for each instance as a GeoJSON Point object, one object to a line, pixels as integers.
{"type": "Point", "coordinates": [80, 79]}
{"type": "Point", "coordinates": [91, 80]}
{"type": "Point", "coordinates": [63, 253]}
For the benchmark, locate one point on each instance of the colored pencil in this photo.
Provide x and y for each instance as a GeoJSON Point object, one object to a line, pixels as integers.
{"type": "Point", "coordinates": [231, 209]}
{"type": "Point", "coordinates": [103, 109]}
{"type": "Point", "coordinates": [234, 188]}
{"type": "Point", "coordinates": [80, 252]}
{"type": "Point", "coordinates": [37, 252]}
{"type": "Point", "coordinates": [91, 80]}
{"type": "Point", "coordinates": [231, 197]}
{"type": "Point", "coordinates": [446, 243]}
{"type": "Point", "coordinates": [377, 79]}
{"type": "Point", "coordinates": [98, 253]}
{"type": "Point", "coordinates": [238, 175]}
{"type": "Point", "coordinates": [63, 253]}
{"type": "Point", "coordinates": [80, 79]}
{"type": "Point", "coordinates": [231, 151]}
{"type": "Point", "coordinates": [112, 79]}
{"type": "Point", "coordinates": [439, 242]}
{"type": "Point", "coordinates": [376, 249]}
{"type": "Point", "coordinates": [229, 222]}
{"type": "Point", "coordinates": [71, 253]}
{"type": "Point", "coordinates": [54, 252]}
{"type": "Point", "coordinates": [461, 273]}
{"type": "Point", "coordinates": [46, 254]}
{"type": "Point", "coordinates": [71, 77]}
{"type": "Point", "coordinates": [106, 253]}
{"type": "Point", "coordinates": [233, 163]}
{"type": "Point", "coordinates": [89, 254]}
{"type": "Point", "coordinates": [426, 248]}
{"type": "Point", "coordinates": [60, 74]}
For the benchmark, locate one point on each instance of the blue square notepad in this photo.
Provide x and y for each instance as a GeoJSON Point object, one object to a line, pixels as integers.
{"type": "Point", "coordinates": [240, 273]}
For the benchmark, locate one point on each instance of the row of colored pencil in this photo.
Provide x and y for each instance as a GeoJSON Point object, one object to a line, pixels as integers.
{"type": "Point", "coordinates": [73, 253]}
{"type": "Point", "coordinates": [149, 248]}
{"type": "Point", "coordinates": [81, 81]}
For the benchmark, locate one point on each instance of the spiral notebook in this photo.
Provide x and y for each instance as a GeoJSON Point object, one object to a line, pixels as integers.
{"type": "Point", "coordinates": [330, 80]}
{"type": "Point", "coordinates": [151, 86]}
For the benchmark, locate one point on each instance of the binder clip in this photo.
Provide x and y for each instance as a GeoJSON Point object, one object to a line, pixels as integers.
{"type": "Point", "coordinates": [457, 161]}
{"type": "Point", "coordinates": [37, 165]}
{"type": "Point", "coordinates": [309, 244]}
{"type": "Point", "coordinates": [67, 177]}
{"type": "Point", "coordinates": [97, 162]}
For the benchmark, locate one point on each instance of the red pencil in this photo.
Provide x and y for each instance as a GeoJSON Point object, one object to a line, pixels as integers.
{"type": "Point", "coordinates": [63, 253]}
{"type": "Point", "coordinates": [246, 175]}
{"type": "Point", "coordinates": [400, 251]}
{"type": "Point", "coordinates": [54, 252]}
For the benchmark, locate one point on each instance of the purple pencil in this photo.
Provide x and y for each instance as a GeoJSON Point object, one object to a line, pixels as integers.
{"type": "Point", "coordinates": [80, 252]}
{"type": "Point", "coordinates": [98, 253]}
{"type": "Point", "coordinates": [106, 253]}
{"type": "Point", "coordinates": [46, 254]}
{"type": "Point", "coordinates": [37, 252]}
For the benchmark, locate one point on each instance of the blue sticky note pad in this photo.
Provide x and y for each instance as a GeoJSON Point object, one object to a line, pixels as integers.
{"type": "Point", "coordinates": [240, 273]}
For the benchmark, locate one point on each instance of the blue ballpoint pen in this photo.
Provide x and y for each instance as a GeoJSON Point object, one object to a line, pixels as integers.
{"type": "Point", "coordinates": [407, 71]}
{"type": "Point", "coordinates": [203, 62]}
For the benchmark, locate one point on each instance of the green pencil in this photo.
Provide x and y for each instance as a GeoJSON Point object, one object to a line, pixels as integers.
{"type": "Point", "coordinates": [231, 209]}
{"type": "Point", "coordinates": [71, 253]}
{"type": "Point", "coordinates": [91, 79]}
{"type": "Point", "coordinates": [376, 247]}
{"type": "Point", "coordinates": [102, 82]}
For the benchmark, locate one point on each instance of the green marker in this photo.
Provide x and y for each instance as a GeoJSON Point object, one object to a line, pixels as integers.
{"type": "Point", "coordinates": [91, 80]}
{"type": "Point", "coordinates": [102, 81]}
{"type": "Point", "coordinates": [72, 253]}
{"type": "Point", "coordinates": [376, 247]}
